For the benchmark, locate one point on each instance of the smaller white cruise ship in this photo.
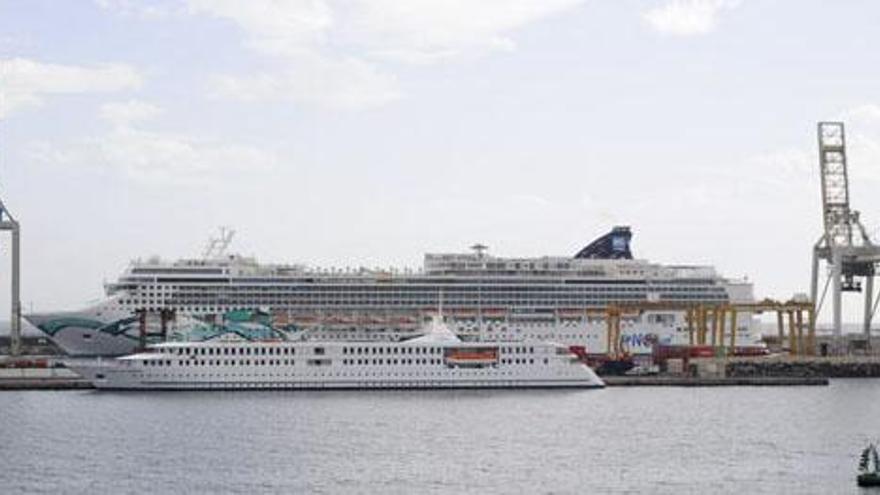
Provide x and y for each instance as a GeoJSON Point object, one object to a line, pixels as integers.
{"type": "Point", "coordinates": [437, 359]}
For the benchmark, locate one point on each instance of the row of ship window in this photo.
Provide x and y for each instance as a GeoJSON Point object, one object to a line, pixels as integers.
{"type": "Point", "coordinates": [462, 299]}
{"type": "Point", "coordinates": [231, 351]}
{"type": "Point", "coordinates": [221, 362]}
{"type": "Point", "coordinates": [390, 350]}
{"type": "Point", "coordinates": [363, 362]}
{"type": "Point", "coordinates": [341, 335]}
{"type": "Point", "coordinates": [456, 285]}
{"type": "Point", "coordinates": [315, 362]}
{"type": "Point", "coordinates": [485, 296]}
{"type": "Point", "coordinates": [285, 351]}
{"type": "Point", "coordinates": [493, 299]}
{"type": "Point", "coordinates": [352, 374]}
{"type": "Point", "coordinates": [209, 304]}
{"type": "Point", "coordinates": [405, 300]}
{"type": "Point", "coordinates": [423, 361]}
{"type": "Point", "coordinates": [517, 350]}
{"type": "Point", "coordinates": [419, 350]}
{"type": "Point", "coordinates": [521, 361]}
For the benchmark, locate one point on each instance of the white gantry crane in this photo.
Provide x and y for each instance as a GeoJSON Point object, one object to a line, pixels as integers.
{"type": "Point", "coordinates": [844, 246]}
{"type": "Point", "coordinates": [217, 245]}
{"type": "Point", "coordinates": [7, 222]}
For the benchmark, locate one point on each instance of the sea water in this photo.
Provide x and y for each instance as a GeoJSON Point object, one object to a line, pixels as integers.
{"type": "Point", "coordinates": [616, 440]}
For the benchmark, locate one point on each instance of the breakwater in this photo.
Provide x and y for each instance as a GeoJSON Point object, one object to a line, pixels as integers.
{"type": "Point", "coordinates": [829, 367]}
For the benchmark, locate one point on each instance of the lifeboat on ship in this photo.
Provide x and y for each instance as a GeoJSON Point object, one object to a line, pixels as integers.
{"type": "Point", "coordinates": [340, 320]}
{"type": "Point", "coordinates": [494, 313]}
{"type": "Point", "coordinates": [570, 313]}
{"type": "Point", "coordinates": [280, 319]}
{"type": "Point", "coordinates": [472, 356]}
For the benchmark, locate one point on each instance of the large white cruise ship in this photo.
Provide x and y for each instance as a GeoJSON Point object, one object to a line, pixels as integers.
{"type": "Point", "coordinates": [487, 299]}
{"type": "Point", "coordinates": [437, 359]}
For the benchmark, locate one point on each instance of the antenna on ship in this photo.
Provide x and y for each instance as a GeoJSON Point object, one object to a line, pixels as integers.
{"type": "Point", "coordinates": [480, 249]}
{"type": "Point", "coordinates": [440, 306]}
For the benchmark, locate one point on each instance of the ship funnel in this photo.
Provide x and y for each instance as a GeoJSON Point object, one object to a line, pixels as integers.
{"type": "Point", "coordinates": [611, 246]}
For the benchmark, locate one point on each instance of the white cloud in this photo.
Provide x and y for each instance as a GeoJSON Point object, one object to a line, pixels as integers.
{"type": "Point", "coordinates": [27, 82]}
{"type": "Point", "coordinates": [274, 27]}
{"type": "Point", "coordinates": [332, 51]}
{"type": "Point", "coordinates": [155, 9]}
{"type": "Point", "coordinates": [296, 34]}
{"type": "Point", "coordinates": [800, 165]}
{"type": "Point", "coordinates": [348, 84]}
{"type": "Point", "coordinates": [532, 200]}
{"type": "Point", "coordinates": [415, 31]}
{"type": "Point", "coordinates": [779, 168]}
{"type": "Point", "coordinates": [687, 17]}
{"type": "Point", "coordinates": [127, 112]}
{"type": "Point", "coordinates": [863, 114]}
{"type": "Point", "coordinates": [151, 156]}
{"type": "Point", "coordinates": [431, 31]}
{"type": "Point", "coordinates": [863, 142]}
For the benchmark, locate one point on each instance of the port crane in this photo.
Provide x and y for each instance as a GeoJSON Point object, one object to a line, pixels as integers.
{"type": "Point", "coordinates": [216, 247]}
{"type": "Point", "coordinates": [707, 324]}
{"type": "Point", "coordinates": [850, 255]}
{"type": "Point", "coordinates": [8, 222]}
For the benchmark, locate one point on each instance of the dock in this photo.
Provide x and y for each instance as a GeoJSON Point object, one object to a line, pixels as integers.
{"type": "Point", "coordinates": [41, 379]}
{"type": "Point", "coordinates": [690, 381]}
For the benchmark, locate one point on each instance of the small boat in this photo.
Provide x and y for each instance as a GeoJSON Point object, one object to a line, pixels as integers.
{"type": "Point", "coordinates": [869, 467]}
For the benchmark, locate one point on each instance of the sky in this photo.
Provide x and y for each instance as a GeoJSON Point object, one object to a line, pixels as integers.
{"type": "Point", "coordinates": [368, 132]}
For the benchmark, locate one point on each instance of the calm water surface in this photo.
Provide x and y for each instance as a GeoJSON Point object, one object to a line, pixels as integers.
{"type": "Point", "coordinates": [618, 440]}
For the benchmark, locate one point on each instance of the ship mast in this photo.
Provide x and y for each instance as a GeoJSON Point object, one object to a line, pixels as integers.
{"type": "Point", "coordinates": [480, 249]}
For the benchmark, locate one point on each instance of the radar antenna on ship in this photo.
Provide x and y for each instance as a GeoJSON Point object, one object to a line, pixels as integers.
{"type": "Point", "coordinates": [480, 249]}
{"type": "Point", "coordinates": [217, 245]}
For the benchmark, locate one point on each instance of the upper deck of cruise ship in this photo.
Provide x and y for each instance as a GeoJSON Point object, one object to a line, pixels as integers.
{"type": "Point", "coordinates": [609, 256]}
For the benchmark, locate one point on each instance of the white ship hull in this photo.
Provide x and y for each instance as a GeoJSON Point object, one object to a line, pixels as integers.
{"type": "Point", "coordinates": [119, 380]}
{"type": "Point", "coordinates": [322, 366]}
{"type": "Point", "coordinates": [78, 341]}
{"type": "Point", "coordinates": [90, 332]}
